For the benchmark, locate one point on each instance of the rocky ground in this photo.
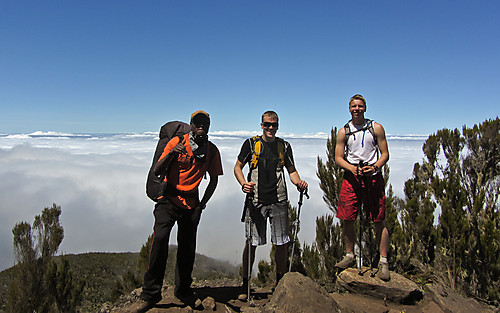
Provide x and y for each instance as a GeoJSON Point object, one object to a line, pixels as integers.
{"type": "Point", "coordinates": [297, 293]}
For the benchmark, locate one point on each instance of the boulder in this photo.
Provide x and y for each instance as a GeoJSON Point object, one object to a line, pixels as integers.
{"type": "Point", "coordinates": [298, 293]}
{"type": "Point", "coordinates": [399, 289]}
{"type": "Point", "coordinates": [448, 300]}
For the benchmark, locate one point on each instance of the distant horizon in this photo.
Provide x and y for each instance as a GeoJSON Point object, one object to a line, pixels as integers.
{"type": "Point", "coordinates": [229, 133]}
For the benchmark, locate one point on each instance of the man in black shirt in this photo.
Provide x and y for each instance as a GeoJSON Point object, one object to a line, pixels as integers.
{"type": "Point", "coordinates": [267, 155]}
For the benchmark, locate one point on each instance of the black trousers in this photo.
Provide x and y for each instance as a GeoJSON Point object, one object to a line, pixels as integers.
{"type": "Point", "coordinates": [166, 214]}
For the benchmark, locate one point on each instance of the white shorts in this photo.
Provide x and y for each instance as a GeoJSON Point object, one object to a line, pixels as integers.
{"type": "Point", "coordinates": [278, 219]}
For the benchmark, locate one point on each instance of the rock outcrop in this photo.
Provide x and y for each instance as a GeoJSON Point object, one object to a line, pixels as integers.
{"type": "Point", "coordinates": [298, 293]}
{"type": "Point", "coordinates": [399, 289]}
{"type": "Point", "coordinates": [449, 300]}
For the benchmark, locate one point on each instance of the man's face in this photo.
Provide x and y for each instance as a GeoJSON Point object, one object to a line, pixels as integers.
{"type": "Point", "coordinates": [269, 126]}
{"type": "Point", "coordinates": [357, 108]}
{"type": "Point", "coordinates": [200, 125]}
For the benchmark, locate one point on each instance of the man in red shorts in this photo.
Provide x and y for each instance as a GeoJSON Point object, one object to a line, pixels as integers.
{"type": "Point", "coordinates": [362, 140]}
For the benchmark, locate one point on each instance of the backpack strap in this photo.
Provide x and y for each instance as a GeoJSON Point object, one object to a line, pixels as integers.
{"type": "Point", "coordinates": [368, 126]}
{"type": "Point", "coordinates": [281, 151]}
{"type": "Point", "coordinates": [257, 147]}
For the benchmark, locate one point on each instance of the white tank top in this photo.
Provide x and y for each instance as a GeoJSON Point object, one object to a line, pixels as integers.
{"type": "Point", "coordinates": [361, 145]}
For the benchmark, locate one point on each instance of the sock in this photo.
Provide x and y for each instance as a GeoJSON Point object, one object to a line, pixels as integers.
{"type": "Point", "coordinates": [383, 259]}
{"type": "Point", "coordinates": [350, 255]}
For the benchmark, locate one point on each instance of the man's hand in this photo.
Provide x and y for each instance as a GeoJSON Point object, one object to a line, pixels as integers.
{"type": "Point", "coordinates": [367, 170]}
{"type": "Point", "coordinates": [180, 147]}
{"type": "Point", "coordinates": [197, 213]}
{"type": "Point", "coordinates": [248, 187]}
{"type": "Point", "coordinates": [302, 185]}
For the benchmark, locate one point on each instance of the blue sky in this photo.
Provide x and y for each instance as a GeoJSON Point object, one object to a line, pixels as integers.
{"type": "Point", "coordinates": [130, 66]}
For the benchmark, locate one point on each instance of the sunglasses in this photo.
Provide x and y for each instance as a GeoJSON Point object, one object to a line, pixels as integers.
{"type": "Point", "coordinates": [269, 124]}
{"type": "Point", "coordinates": [201, 121]}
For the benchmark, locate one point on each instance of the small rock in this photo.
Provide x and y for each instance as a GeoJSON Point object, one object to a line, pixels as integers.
{"type": "Point", "coordinates": [198, 304]}
{"type": "Point", "coordinates": [209, 304]}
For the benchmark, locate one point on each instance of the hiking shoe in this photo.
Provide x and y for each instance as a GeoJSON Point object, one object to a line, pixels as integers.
{"type": "Point", "coordinates": [143, 306]}
{"type": "Point", "coordinates": [243, 296]}
{"type": "Point", "coordinates": [383, 271]}
{"type": "Point", "coordinates": [346, 262]}
{"type": "Point", "coordinates": [185, 295]}
{"type": "Point", "coordinates": [188, 297]}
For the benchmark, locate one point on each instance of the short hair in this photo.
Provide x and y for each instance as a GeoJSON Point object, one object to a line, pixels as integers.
{"type": "Point", "coordinates": [271, 114]}
{"type": "Point", "coordinates": [357, 97]}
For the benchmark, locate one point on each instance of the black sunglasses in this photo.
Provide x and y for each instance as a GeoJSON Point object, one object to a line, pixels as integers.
{"type": "Point", "coordinates": [199, 121]}
{"type": "Point", "coordinates": [269, 124]}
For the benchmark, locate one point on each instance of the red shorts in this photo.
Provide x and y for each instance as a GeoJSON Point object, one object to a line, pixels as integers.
{"type": "Point", "coordinates": [370, 190]}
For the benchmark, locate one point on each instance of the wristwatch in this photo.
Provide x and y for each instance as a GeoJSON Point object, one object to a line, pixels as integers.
{"type": "Point", "coordinates": [377, 169]}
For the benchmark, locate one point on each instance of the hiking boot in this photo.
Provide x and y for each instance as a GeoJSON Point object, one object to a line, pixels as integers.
{"type": "Point", "coordinates": [383, 271]}
{"type": "Point", "coordinates": [185, 295]}
{"type": "Point", "coordinates": [243, 296]}
{"type": "Point", "coordinates": [346, 262]}
{"type": "Point", "coordinates": [188, 297]}
{"type": "Point", "coordinates": [143, 306]}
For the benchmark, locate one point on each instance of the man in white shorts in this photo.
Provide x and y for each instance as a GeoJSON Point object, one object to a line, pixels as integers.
{"type": "Point", "coordinates": [267, 156]}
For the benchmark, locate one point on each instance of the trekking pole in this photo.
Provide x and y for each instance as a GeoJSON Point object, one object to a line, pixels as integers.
{"type": "Point", "coordinates": [249, 245]}
{"type": "Point", "coordinates": [248, 222]}
{"type": "Point", "coordinates": [361, 209]}
{"type": "Point", "coordinates": [367, 182]}
{"type": "Point", "coordinates": [296, 224]}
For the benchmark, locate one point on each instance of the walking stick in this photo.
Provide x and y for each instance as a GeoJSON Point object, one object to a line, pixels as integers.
{"type": "Point", "coordinates": [367, 182]}
{"type": "Point", "coordinates": [366, 187]}
{"type": "Point", "coordinates": [249, 245]}
{"type": "Point", "coordinates": [296, 224]}
{"type": "Point", "coordinates": [360, 225]}
{"type": "Point", "coordinates": [248, 222]}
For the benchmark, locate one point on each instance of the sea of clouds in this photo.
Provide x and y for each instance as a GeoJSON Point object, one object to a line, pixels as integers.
{"type": "Point", "coordinates": [99, 182]}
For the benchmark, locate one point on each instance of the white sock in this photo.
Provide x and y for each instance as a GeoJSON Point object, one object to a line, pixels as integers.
{"type": "Point", "coordinates": [383, 259]}
{"type": "Point", "coordinates": [350, 255]}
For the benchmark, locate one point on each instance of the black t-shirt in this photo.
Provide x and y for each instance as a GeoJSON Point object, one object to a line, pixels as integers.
{"type": "Point", "coordinates": [268, 176]}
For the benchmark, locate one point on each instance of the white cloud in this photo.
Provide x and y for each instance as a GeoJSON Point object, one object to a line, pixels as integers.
{"type": "Point", "coordinates": [99, 181]}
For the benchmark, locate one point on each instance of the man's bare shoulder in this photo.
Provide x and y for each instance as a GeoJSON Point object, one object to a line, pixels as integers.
{"type": "Point", "coordinates": [378, 127]}
{"type": "Point", "coordinates": [341, 131]}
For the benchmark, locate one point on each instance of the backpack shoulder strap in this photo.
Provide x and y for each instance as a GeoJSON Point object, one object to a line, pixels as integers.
{"type": "Point", "coordinates": [371, 129]}
{"type": "Point", "coordinates": [281, 151]}
{"type": "Point", "coordinates": [348, 133]}
{"type": "Point", "coordinates": [347, 129]}
{"type": "Point", "coordinates": [257, 147]}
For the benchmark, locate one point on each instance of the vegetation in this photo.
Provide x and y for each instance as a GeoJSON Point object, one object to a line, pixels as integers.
{"type": "Point", "coordinates": [85, 280]}
{"type": "Point", "coordinates": [459, 179]}
{"type": "Point", "coordinates": [38, 283]}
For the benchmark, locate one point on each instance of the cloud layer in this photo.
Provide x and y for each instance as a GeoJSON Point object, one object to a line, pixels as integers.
{"type": "Point", "coordinates": [99, 181]}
